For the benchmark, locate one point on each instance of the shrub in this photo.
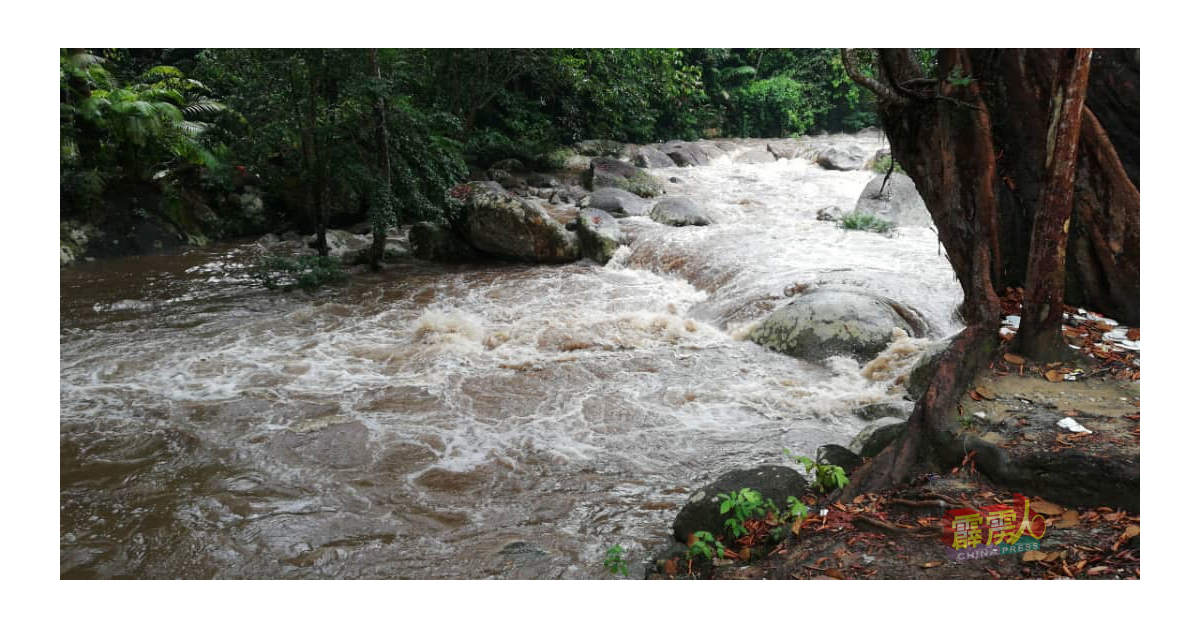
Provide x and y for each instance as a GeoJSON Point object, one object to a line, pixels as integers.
{"type": "Point", "coordinates": [775, 107]}
{"type": "Point", "coordinates": [307, 273]}
{"type": "Point", "coordinates": [868, 222]}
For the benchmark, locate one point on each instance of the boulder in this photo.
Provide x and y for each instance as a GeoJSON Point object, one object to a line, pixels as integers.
{"type": "Point", "coordinates": [824, 323]}
{"type": "Point", "coordinates": [784, 149]}
{"type": "Point", "coordinates": [500, 224]}
{"type": "Point", "coordinates": [599, 234]}
{"type": "Point", "coordinates": [606, 172]}
{"type": "Point", "coordinates": [755, 156]}
{"type": "Point", "coordinates": [712, 151]}
{"type": "Point", "coordinates": [685, 153]}
{"type": "Point", "coordinates": [898, 202]}
{"type": "Point", "coordinates": [651, 157]}
{"type": "Point", "coordinates": [840, 456]}
{"type": "Point", "coordinates": [835, 158]}
{"type": "Point", "coordinates": [506, 179]}
{"type": "Point", "coordinates": [435, 243]}
{"type": "Point", "coordinates": [830, 214]}
{"type": "Point", "coordinates": [703, 509]}
{"type": "Point", "coordinates": [876, 436]}
{"type": "Point", "coordinates": [345, 246]}
{"type": "Point", "coordinates": [618, 202]}
{"type": "Point", "coordinates": [922, 372]}
{"type": "Point", "coordinates": [539, 180]}
{"type": "Point", "coordinates": [678, 211]}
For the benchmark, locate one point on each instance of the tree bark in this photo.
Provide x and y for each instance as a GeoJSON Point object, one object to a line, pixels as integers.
{"type": "Point", "coordinates": [1040, 334]}
{"type": "Point", "coordinates": [973, 139]}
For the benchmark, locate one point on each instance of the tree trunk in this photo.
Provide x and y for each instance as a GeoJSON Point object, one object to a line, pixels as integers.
{"type": "Point", "coordinates": [383, 213]}
{"type": "Point", "coordinates": [973, 139]}
{"type": "Point", "coordinates": [315, 161]}
{"type": "Point", "coordinates": [1040, 334]}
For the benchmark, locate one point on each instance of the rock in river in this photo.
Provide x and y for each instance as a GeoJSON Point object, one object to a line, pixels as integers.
{"type": "Point", "coordinates": [823, 323]}
{"type": "Point", "coordinates": [703, 509]}
{"type": "Point", "coordinates": [599, 234]}
{"type": "Point", "coordinates": [435, 243]}
{"type": "Point", "coordinates": [898, 202]}
{"type": "Point", "coordinates": [678, 211]}
{"type": "Point", "coordinates": [503, 225]}
{"type": "Point", "coordinates": [841, 159]}
{"type": "Point", "coordinates": [606, 172]}
{"type": "Point", "coordinates": [618, 202]}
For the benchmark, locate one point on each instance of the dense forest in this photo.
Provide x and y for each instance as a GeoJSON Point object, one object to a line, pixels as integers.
{"type": "Point", "coordinates": [196, 144]}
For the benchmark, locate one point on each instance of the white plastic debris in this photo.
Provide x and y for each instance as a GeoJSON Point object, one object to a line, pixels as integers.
{"type": "Point", "coordinates": [1071, 424]}
{"type": "Point", "coordinates": [1012, 321]}
{"type": "Point", "coordinates": [980, 415]}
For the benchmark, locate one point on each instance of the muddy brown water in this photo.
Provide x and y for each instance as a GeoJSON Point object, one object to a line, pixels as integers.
{"type": "Point", "coordinates": [472, 421]}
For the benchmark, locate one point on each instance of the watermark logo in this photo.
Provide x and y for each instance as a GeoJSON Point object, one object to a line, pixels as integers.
{"type": "Point", "coordinates": [993, 530]}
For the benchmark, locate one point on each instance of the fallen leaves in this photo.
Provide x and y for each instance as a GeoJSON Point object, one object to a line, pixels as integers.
{"type": "Point", "coordinates": [1014, 359]}
{"type": "Point", "coordinates": [1053, 375]}
{"type": "Point", "coordinates": [1043, 507]}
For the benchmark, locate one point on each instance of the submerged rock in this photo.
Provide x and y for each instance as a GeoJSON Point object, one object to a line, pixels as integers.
{"type": "Point", "coordinates": [702, 512]}
{"type": "Point", "coordinates": [824, 323]}
{"type": "Point", "coordinates": [599, 234]}
{"type": "Point", "coordinates": [606, 172]}
{"type": "Point", "coordinates": [678, 211]}
{"type": "Point", "coordinates": [435, 243]}
{"type": "Point", "coordinates": [756, 156]}
{"type": "Point", "coordinates": [618, 202]}
{"type": "Point", "coordinates": [898, 202]}
{"type": "Point", "coordinates": [830, 214]}
{"type": "Point", "coordinates": [500, 224]}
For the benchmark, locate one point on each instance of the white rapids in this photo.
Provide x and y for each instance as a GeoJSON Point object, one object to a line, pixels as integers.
{"type": "Point", "coordinates": [489, 420]}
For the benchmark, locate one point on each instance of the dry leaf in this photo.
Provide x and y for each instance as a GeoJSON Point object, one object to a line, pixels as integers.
{"type": "Point", "coordinates": [975, 396]}
{"type": "Point", "coordinates": [1130, 532]}
{"type": "Point", "coordinates": [1033, 555]}
{"type": "Point", "coordinates": [933, 563]}
{"type": "Point", "coordinates": [835, 573]}
{"type": "Point", "coordinates": [1043, 507]}
{"type": "Point", "coordinates": [986, 393]}
{"type": "Point", "coordinates": [1095, 571]}
{"type": "Point", "coordinates": [1069, 519]}
{"type": "Point", "coordinates": [671, 567]}
{"type": "Point", "coordinates": [796, 526]}
{"type": "Point", "coordinates": [1054, 376]}
{"type": "Point", "coordinates": [744, 554]}
{"type": "Point", "coordinates": [1013, 359]}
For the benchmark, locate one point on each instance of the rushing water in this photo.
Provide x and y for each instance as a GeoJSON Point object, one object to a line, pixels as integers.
{"type": "Point", "coordinates": [492, 420]}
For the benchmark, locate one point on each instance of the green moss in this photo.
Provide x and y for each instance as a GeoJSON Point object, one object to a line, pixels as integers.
{"type": "Point", "coordinates": [867, 222]}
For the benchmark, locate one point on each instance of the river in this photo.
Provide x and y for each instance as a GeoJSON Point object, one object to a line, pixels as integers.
{"type": "Point", "coordinates": [460, 421]}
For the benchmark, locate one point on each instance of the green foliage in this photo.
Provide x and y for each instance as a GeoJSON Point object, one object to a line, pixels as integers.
{"type": "Point", "coordinates": [827, 477]}
{"type": "Point", "coordinates": [857, 221]}
{"type": "Point", "coordinates": [744, 505]}
{"type": "Point", "coordinates": [886, 162]}
{"type": "Point", "coordinates": [774, 107]}
{"type": "Point", "coordinates": [288, 273]}
{"type": "Point", "coordinates": [957, 79]}
{"type": "Point", "coordinates": [704, 544]}
{"type": "Point", "coordinates": [614, 560]}
{"type": "Point", "coordinates": [796, 508]}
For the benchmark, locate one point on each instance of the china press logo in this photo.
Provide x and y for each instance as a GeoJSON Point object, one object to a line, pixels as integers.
{"type": "Point", "coordinates": [992, 530]}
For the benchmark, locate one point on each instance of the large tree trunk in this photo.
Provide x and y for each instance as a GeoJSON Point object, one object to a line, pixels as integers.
{"type": "Point", "coordinates": [1040, 335]}
{"type": "Point", "coordinates": [973, 139]}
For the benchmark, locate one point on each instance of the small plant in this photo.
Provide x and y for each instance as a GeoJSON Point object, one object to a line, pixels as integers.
{"type": "Point", "coordinates": [307, 273]}
{"type": "Point", "coordinates": [885, 163]}
{"type": "Point", "coordinates": [828, 477]}
{"type": "Point", "coordinates": [796, 508]}
{"type": "Point", "coordinates": [867, 222]}
{"type": "Point", "coordinates": [957, 79]}
{"type": "Point", "coordinates": [704, 544]}
{"type": "Point", "coordinates": [744, 505]}
{"type": "Point", "coordinates": [614, 560]}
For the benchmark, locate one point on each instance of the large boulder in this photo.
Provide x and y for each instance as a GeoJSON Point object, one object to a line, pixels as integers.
{"type": "Point", "coordinates": [823, 323]}
{"type": "Point", "coordinates": [346, 246]}
{"type": "Point", "coordinates": [710, 150]}
{"type": "Point", "coordinates": [503, 225]}
{"type": "Point", "coordinates": [599, 234]}
{"type": "Point", "coordinates": [685, 153]}
{"type": "Point", "coordinates": [606, 172]}
{"type": "Point", "coordinates": [651, 157]}
{"type": "Point", "coordinates": [702, 512]}
{"type": "Point", "coordinates": [898, 201]}
{"type": "Point", "coordinates": [784, 149]}
{"type": "Point", "coordinates": [835, 158]}
{"type": "Point", "coordinates": [435, 243]}
{"type": "Point", "coordinates": [755, 156]}
{"type": "Point", "coordinates": [678, 211]}
{"type": "Point", "coordinates": [877, 435]}
{"type": "Point", "coordinates": [618, 202]}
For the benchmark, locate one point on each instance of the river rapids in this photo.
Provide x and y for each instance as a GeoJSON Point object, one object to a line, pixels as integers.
{"type": "Point", "coordinates": [462, 421]}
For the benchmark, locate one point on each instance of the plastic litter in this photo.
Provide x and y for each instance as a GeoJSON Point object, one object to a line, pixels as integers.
{"type": "Point", "coordinates": [1071, 424]}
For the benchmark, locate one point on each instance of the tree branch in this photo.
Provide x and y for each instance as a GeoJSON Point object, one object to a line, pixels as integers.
{"type": "Point", "coordinates": [876, 86]}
